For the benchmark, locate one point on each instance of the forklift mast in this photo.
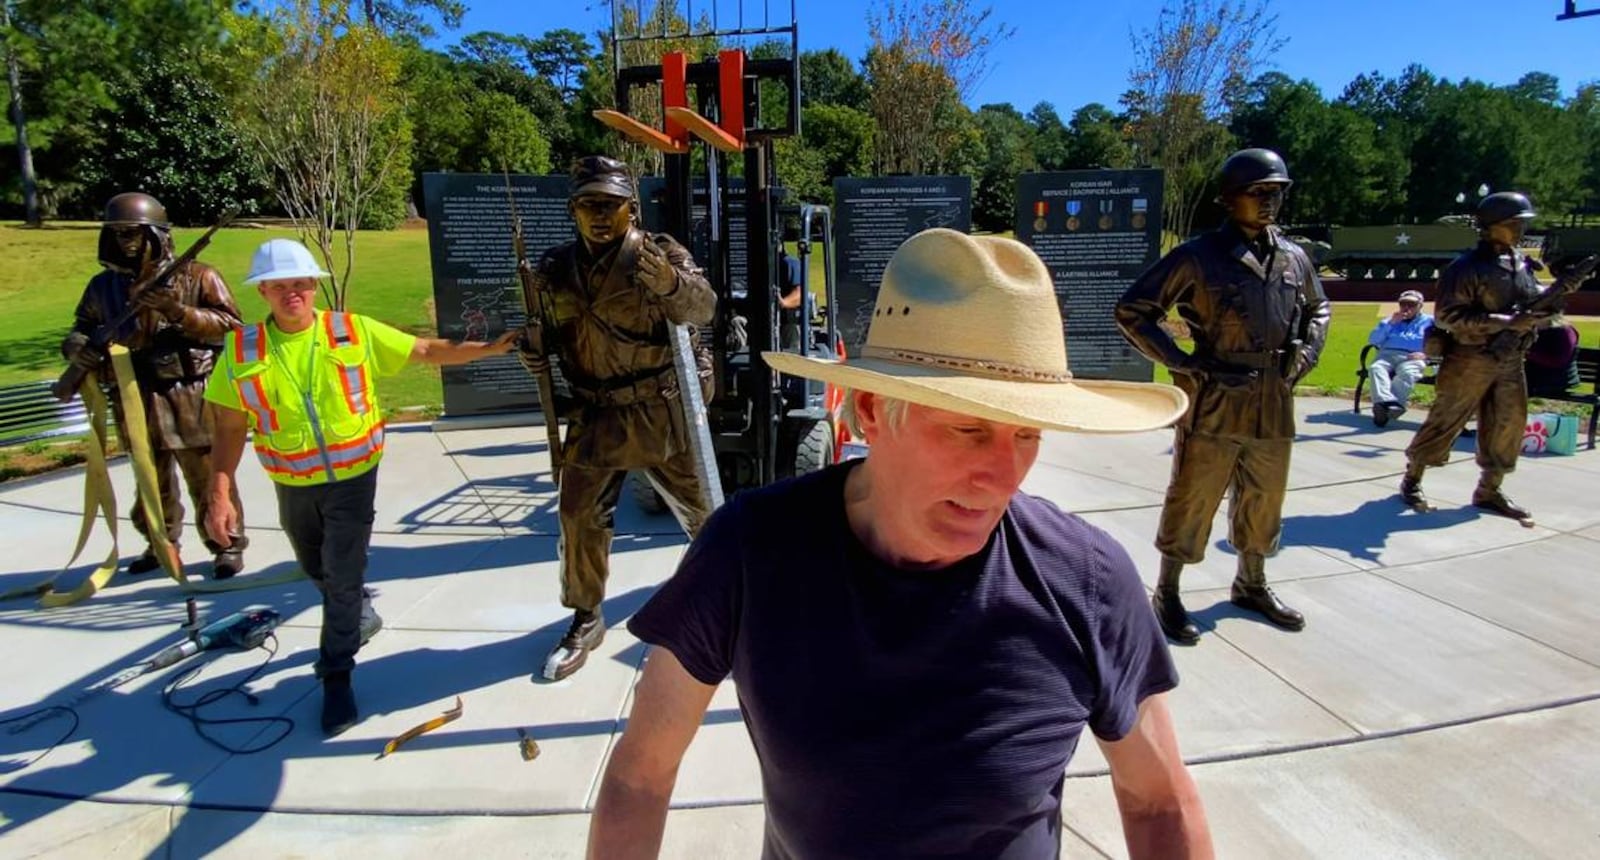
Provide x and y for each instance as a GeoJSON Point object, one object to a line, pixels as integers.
{"type": "Point", "coordinates": [717, 100]}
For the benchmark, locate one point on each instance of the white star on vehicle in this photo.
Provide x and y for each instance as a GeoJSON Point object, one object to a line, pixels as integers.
{"type": "Point", "coordinates": [1403, 239]}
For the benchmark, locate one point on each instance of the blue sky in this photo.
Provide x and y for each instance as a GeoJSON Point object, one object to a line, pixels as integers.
{"type": "Point", "coordinates": [1071, 52]}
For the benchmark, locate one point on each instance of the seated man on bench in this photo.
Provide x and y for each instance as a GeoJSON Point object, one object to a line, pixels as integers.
{"type": "Point", "coordinates": [1400, 362]}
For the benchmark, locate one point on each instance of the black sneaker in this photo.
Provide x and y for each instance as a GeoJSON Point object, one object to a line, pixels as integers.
{"type": "Point", "coordinates": [371, 621]}
{"type": "Point", "coordinates": [338, 703]}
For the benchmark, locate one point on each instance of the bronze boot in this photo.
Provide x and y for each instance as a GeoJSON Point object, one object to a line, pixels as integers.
{"type": "Point", "coordinates": [1488, 497]}
{"type": "Point", "coordinates": [1168, 605]}
{"type": "Point", "coordinates": [1250, 592]}
{"type": "Point", "coordinates": [587, 631]}
{"type": "Point", "coordinates": [1411, 491]}
{"type": "Point", "coordinates": [145, 563]}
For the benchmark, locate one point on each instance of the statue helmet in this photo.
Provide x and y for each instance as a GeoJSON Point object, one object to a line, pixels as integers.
{"type": "Point", "coordinates": [134, 207]}
{"type": "Point", "coordinates": [598, 174]}
{"type": "Point", "coordinates": [1250, 166]}
{"type": "Point", "coordinates": [1504, 206]}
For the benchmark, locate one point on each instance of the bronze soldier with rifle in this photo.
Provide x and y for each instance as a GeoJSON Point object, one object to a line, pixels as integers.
{"type": "Point", "coordinates": [1259, 319]}
{"type": "Point", "coordinates": [603, 307]}
{"type": "Point", "coordinates": [171, 313]}
{"type": "Point", "coordinates": [1488, 310]}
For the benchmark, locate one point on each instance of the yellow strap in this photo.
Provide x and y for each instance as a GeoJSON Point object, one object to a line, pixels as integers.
{"type": "Point", "coordinates": [100, 496]}
{"type": "Point", "coordinates": [145, 483]}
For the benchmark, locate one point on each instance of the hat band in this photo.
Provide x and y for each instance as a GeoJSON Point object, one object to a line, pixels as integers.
{"type": "Point", "coordinates": [990, 369]}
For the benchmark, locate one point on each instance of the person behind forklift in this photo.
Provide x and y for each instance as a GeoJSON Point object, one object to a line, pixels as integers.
{"type": "Point", "coordinates": [791, 299]}
{"type": "Point", "coordinates": [615, 290]}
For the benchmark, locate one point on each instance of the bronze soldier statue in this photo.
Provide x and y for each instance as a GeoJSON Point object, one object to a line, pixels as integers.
{"type": "Point", "coordinates": [1259, 319]}
{"type": "Point", "coordinates": [173, 341]}
{"type": "Point", "coordinates": [1489, 305]}
{"type": "Point", "coordinates": [615, 292]}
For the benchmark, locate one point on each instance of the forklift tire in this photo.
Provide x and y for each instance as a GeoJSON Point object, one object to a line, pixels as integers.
{"type": "Point", "coordinates": [813, 449]}
{"type": "Point", "coordinates": [645, 495]}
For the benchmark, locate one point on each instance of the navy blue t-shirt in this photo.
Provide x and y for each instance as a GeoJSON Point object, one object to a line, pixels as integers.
{"type": "Point", "coordinates": [911, 713]}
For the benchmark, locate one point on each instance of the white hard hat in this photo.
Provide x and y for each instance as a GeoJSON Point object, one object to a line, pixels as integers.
{"type": "Point", "coordinates": [282, 259]}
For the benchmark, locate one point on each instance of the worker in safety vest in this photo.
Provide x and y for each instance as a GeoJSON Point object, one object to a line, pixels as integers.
{"type": "Point", "coordinates": [304, 381]}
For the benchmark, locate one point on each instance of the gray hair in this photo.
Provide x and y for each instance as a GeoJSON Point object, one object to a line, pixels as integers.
{"type": "Point", "coordinates": [894, 411]}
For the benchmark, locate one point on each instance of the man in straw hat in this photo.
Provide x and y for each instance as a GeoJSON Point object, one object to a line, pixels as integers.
{"type": "Point", "coordinates": [917, 672]}
{"type": "Point", "coordinates": [1258, 316]}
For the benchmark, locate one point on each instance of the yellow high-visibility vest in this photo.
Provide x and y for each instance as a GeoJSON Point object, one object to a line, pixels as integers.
{"type": "Point", "coordinates": [316, 423]}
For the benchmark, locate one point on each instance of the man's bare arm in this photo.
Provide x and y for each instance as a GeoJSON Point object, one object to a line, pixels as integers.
{"type": "Point", "coordinates": [1162, 816]}
{"type": "Point", "coordinates": [631, 812]}
{"type": "Point", "coordinates": [434, 350]}
{"type": "Point", "coordinates": [229, 428]}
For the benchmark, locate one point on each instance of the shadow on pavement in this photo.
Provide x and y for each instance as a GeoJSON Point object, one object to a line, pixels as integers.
{"type": "Point", "coordinates": [133, 741]}
{"type": "Point", "coordinates": [1365, 531]}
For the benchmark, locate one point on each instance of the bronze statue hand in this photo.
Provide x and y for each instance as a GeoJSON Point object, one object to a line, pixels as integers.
{"type": "Point", "coordinates": [535, 362]}
{"type": "Point", "coordinates": [655, 271]}
{"type": "Point", "coordinates": [162, 300]}
{"type": "Point", "coordinates": [88, 356]}
{"type": "Point", "coordinates": [1580, 271]}
{"type": "Point", "coordinates": [1527, 321]}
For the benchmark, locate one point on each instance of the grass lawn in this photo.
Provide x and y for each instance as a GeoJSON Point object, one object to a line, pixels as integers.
{"type": "Point", "coordinates": [48, 268]}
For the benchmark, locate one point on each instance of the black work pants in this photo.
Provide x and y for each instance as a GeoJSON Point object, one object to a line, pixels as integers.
{"type": "Point", "coordinates": [330, 527]}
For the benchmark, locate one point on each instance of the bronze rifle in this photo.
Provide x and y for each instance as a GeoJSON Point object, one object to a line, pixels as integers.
{"type": "Point", "coordinates": [535, 296]}
{"type": "Point", "coordinates": [67, 386]}
{"type": "Point", "coordinates": [1548, 303]}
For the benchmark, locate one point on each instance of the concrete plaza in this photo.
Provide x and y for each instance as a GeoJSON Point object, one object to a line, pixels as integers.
{"type": "Point", "coordinates": [1443, 701]}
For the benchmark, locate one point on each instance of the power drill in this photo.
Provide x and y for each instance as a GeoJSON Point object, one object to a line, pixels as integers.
{"type": "Point", "coordinates": [244, 629]}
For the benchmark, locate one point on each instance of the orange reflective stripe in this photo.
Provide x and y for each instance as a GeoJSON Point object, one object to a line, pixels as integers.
{"type": "Point", "coordinates": [307, 463]}
{"type": "Point", "coordinates": [250, 344]}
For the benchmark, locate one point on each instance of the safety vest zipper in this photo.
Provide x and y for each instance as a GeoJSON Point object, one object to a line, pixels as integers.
{"type": "Point", "coordinates": [316, 432]}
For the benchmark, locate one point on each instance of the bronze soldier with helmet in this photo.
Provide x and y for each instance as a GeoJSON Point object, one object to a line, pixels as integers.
{"type": "Point", "coordinates": [173, 342]}
{"type": "Point", "coordinates": [1259, 319]}
{"type": "Point", "coordinates": [1489, 306]}
{"type": "Point", "coordinates": [616, 291]}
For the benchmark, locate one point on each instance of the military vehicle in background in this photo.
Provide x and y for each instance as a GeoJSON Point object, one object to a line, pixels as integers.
{"type": "Point", "coordinates": [1399, 251]}
{"type": "Point", "coordinates": [1568, 243]}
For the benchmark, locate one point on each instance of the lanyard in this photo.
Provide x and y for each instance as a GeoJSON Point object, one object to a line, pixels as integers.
{"type": "Point", "coordinates": [305, 394]}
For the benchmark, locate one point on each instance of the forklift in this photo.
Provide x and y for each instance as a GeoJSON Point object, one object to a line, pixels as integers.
{"type": "Point", "coordinates": [763, 427]}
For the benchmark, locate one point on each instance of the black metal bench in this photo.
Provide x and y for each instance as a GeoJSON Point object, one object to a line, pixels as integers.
{"type": "Point", "coordinates": [1367, 352]}
{"type": "Point", "coordinates": [1586, 393]}
{"type": "Point", "coordinates": [1588, 361]}
{"type": "Point", "coordinates": [30, 412]}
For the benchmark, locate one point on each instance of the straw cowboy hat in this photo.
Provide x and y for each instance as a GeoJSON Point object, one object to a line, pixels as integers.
{"type": "Point", "coordinates": [970, 324]}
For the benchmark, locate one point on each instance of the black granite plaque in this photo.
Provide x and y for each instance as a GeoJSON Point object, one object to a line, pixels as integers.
{"type": "Point", "coordinates": [476, 293]}
{"type": "Point", "coordinates": [873, 215]}
{"type": "Point", "coordinates": [1096, 230]}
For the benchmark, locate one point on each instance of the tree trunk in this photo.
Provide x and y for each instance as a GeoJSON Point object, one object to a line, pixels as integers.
{"type": "Point", "coordinates": [30, 184]}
